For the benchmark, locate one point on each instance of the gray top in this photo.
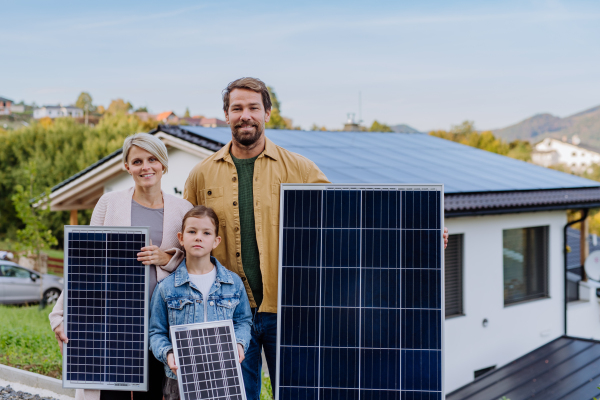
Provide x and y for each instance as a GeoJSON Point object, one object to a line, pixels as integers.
{"type": "Point", "coordinates": [152, 217]}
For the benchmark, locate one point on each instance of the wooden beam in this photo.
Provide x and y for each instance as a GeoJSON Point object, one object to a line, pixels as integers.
{"type": "Point", "coordinates": [73, 220]}
{"type": "Point", "coordinates": [584, 246]}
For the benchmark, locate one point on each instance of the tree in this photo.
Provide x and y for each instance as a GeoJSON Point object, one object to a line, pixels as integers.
{"type": "Point", "coordinates": [378, 127]}
{"type": "Point", "coordinates": [187, 113]}
{"type": "Point", "coordinates": [142, 109]}
{"type": "Point", "coordinates": [36, 235]}
{"type": "Point", "coordinates": [316, 127]}
{"type": "Point", "coordinates": [100, 110]}
{"type": "Point", "coordinates": [84, 101]}
{"type": "Point", "coordinates": [119, 106]}
{"type": "Point", "coordinates": [276, 121]}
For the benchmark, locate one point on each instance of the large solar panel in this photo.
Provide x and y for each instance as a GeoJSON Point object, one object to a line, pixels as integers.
{"type": "Point", "coordinates": [106, 308]}
{"type": "Point", "coordinates": [207, 359]}
{"type": "Point", "coordinates": [360, 292]}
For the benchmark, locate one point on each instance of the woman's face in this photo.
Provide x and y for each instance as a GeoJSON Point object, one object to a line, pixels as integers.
{"type": "Point", "coordinates": [144, 167]}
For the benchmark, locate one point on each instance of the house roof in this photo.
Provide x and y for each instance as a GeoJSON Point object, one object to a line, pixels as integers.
{"type": "Point", "coordinates": [164, 115]}
{"type": "Point", "coordinates": [475, 181]}
{"type": "Point", "coordinates": [67, 107]}
{"type": "Point", "coordinates": [566, 368]}
{"type": "Point", "coordinates": [3, 99]}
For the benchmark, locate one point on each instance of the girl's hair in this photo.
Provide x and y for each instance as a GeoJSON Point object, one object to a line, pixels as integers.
{"type": "Point", "coordinates": [200, 212]}
{"type": "Point", "coordinates": [151, 144]}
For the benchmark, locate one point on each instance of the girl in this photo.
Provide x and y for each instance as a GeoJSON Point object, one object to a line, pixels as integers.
{"type": "Point", "coordinates": [201, 290]}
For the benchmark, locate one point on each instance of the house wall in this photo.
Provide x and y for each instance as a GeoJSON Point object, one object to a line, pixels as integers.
{"type": "Point", "coordinates": [180, 165]}
{"type": "Point", "coordinates": [575, 157]}
{"type": "Point", "coordinates": [514, 330]}
{"type": "Point", "coordinates": [583, 317]}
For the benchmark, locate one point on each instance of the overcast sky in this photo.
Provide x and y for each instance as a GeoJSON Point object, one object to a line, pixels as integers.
{"type": "Point", "coordinates": [429, 64]}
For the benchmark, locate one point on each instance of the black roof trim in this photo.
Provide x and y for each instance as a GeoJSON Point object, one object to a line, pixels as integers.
{"type": "Point", "coordinates": [463, 204]}
{"type": "Point", "coordinates": [170, 129]}
{"type": "Point", "coordinates": [565, 368]}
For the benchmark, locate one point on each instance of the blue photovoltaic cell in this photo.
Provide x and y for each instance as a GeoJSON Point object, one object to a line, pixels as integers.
{"type": "Point", "coordinates": [361, 293]}
{"type": "Point", "coordinates": [105, 309]}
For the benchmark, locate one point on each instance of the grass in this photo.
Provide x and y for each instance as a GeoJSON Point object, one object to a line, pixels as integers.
{"type": "Point", "coordinates": [266, 391]}
{"type": "Point", "coordinates": [27, 342]}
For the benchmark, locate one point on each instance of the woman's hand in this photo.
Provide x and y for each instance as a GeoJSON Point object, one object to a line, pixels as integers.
{"type": "Point", "coordinates": [171, 362]}
{"type": "Point", "coordinates": [241, 352]}
{"type": "Point", "coordinates": [153, 255]}
{"type": "Point", "coordinates": [59, 334]}
{"type": "Point", "coordinates": [445, 237]}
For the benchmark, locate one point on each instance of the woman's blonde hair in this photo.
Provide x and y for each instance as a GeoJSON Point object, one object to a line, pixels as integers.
{"type": "Point", "coordinates": [151, 144]}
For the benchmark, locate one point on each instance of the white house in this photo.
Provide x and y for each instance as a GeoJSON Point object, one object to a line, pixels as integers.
{"type": "Point", "coordinates": [576, 156]}
{"type": "Point", "coordinates": [504, 267]}
{"type": "Point", "coordinates": [57, 111]}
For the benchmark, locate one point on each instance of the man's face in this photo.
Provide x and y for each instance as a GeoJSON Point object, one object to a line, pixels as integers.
{"type": "Point", "coordinates": [246, 116]}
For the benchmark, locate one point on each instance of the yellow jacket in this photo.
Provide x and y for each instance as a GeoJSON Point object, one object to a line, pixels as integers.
{"type": "Point", "coordinates": [213, 183]}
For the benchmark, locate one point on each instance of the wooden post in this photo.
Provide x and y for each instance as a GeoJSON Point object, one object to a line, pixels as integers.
{"type": "Point", "coordinates": [73, 220]}
{"type": "Point", "coordinates": [584, 246]}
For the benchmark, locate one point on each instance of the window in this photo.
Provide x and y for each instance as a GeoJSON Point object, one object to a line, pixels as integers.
{"type": "Point", "coordinates": [453, 273]}
{"type": "Point", "coordinates": [14, 272]}
{"type": "Point", "coordinates": [525, 259]}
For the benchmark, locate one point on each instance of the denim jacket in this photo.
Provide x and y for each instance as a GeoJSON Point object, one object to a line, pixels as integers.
{"type": "Point", "coordinates": [177, 301]}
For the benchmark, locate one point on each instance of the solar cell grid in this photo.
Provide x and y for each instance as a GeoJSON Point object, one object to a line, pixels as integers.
{"type": "Point", "coordinates": [105, 308]}
{"type": "Point", "coordinates": [360, 292]}
{"type": "Point", "coordinates": [207, 359]}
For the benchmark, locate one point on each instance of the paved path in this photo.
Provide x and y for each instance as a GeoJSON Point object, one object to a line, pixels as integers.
{"type": "Point", "coordinates": [18, 391]}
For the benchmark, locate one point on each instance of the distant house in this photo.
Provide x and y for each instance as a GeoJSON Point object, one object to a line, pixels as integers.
{"type": "Point", "coordinates": [57, 112]}
{"type": "Point", "coordinates": [204, 122]}
{"type": "Point", "coordinates": [17, 108]}
{"type": "Point", "coordinates": [145, 116]}
{"type": "Point", "coordinates": [504, 268]}
{"type": "Point", "coordinates": [5, 105]}
{"type": "Point", "coordinates": [575, 155]}
{"type": "Point", "coordinates": [167, 117]}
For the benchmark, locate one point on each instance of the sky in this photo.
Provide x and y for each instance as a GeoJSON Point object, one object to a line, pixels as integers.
{"type": "Point", "coordinates": [428, 64]}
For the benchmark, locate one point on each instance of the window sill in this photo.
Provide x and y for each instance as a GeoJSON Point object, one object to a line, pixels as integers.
{"type": "Point", "coordinates": [455, 316]}
{"type": "Point", "coordinates": [516, 303]}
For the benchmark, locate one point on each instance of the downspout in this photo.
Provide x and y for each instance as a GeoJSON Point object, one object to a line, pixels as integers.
{"type": "Point", "coordinates": [584, 214]}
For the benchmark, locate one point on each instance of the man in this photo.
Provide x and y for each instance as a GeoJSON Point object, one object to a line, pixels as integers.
{"type": "Point", "coordinates": [241, 183]}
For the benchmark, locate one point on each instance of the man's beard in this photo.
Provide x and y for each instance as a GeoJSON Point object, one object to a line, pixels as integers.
{"type": "Point", "coordinates": [247, 139]}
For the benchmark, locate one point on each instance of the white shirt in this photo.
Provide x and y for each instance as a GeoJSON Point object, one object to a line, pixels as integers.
{"type": "Point", "coordinates": [204, 283]}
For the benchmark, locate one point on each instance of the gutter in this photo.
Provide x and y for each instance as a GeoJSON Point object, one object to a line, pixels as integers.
{"type": "Point", "coordinates": [584, 215]}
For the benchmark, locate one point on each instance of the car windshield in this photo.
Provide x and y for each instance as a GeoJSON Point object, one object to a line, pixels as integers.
{"type": "Point", "coordinates": [9, 271]}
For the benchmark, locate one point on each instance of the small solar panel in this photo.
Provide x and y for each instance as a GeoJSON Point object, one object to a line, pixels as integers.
{"type": "Point", "coordinates": [207, 359]}
{"type": "Point", "coordinates": [360, 292]}
{"type": "Point", "coordinates": [106, 308]}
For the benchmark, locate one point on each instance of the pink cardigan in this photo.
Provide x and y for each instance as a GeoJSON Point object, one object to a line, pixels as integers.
{"type": "Point", "coordinates": [114, 209]}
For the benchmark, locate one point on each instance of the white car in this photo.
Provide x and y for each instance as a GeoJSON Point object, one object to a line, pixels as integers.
{"type": "Point", "coordinates": [21, 285]}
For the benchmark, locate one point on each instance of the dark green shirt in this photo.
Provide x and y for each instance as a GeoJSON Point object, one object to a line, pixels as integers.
{"type": "Point", "coordinates": [250, 257]}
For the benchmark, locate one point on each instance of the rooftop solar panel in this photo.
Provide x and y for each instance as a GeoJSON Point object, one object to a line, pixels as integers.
{"type": "Point", "coordinates": [207, 359]}
{"type": "Point", "coordinates": [106, 308]}
{"type": "Point", "coordinates": [360, 292]}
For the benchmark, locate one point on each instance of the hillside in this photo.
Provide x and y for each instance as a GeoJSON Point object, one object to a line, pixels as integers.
{"type": "Point", "coordinates": [585, 124]}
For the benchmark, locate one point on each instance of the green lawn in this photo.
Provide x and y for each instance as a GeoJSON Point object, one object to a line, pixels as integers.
{"type": "Point", "coordinates": [27, 342]}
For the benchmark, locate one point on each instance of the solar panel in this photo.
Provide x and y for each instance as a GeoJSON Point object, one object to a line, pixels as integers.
{"type": "Point", "coordinates": [106, 308]}
{"type": "Point", "coordinates": [207, 359]}
{"type": "Point", "coordinates": [360, 292]}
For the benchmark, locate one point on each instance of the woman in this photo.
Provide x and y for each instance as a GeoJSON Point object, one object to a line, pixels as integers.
{"type": "Point", "coordinates": [146, 160]}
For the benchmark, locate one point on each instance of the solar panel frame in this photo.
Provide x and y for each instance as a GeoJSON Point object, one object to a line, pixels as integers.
{"type": "Point", "coordinates": [106, 385]}
{"type": "Point", "coordinates": [200, 326]}
{"type": "Point", "coordinates": [328, 186]}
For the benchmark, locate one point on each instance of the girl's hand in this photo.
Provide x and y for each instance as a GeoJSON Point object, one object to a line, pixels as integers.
{"type": "Point", "coordinates": [59, 334]}
{"type": "Point", "coordinates": [153, 255]}
{"type": "Point", "coordinates": [171, 362]}
{"type": "Point", "coordinates": [241, 352]}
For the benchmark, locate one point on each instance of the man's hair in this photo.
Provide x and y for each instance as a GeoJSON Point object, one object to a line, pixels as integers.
{"type": "Point", "coordinates": [200, 212]}
{"type": "Point", "coordinates": [151, 144]}
{"type": "Point", "coordinates": [254, 84]}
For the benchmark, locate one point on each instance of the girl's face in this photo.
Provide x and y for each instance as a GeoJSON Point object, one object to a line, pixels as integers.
{"type": "Point", "coordinates": [145, 168]}
{"type": "Point", "coordinates": [198, 238]}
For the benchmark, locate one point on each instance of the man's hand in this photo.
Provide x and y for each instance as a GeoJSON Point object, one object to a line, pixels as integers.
{"type": "Point", "coordinates": [59, 334]}
{"type": "Point", "coordinates": [171, 362]}
{"type": "Point", "coordinates": [153, 255]}
{"type": "Point", "coordinates": [445, 237]}
{"type": "Point", "coordinates": [241, 352]}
